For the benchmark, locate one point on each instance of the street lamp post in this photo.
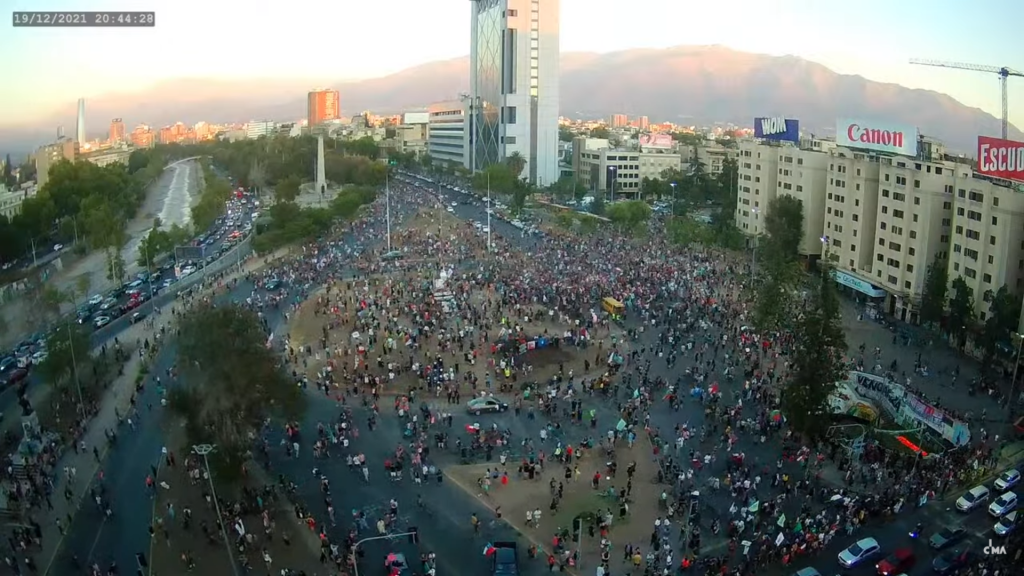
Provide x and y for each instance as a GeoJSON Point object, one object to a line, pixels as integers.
{"type": "Point", "coordinates": [488, 212]}
{"type": "Point", "coordinates": [675, 199]}
{"type": "Point", "coordinates": [613, 170]}
{"type": "Point", "coordinates": [753, 251]}
{"type": "Point", "coordinates": [204, 450]}
{"type": "Point", "coordinates": [1013, 383]}
{"type": "Point", "coordinates": [74, 369]}
{"type": "Point", "coordinates": [355, 547]}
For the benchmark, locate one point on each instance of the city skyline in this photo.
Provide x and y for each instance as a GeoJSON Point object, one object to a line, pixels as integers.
{"type": "Point", "coordinates": [72, 63]}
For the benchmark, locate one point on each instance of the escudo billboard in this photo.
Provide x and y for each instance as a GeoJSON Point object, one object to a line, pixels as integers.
{"type": "Point", "coordinates": [778, 129]}
{"type": "Point", "coordinates": [879, 136]}
{"type": "Point", "coordinates": [1001, 158]}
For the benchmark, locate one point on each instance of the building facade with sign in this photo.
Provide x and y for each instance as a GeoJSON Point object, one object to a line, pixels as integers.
{"type": "Point", "coordinates": [888, 217]}
{"type": "Point", "coordinates": [767, 170]}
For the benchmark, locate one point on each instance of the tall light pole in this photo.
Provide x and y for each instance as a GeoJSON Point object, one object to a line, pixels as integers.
{"type": "Point", "coordinates": [675, 199]}
{"type": "Point", "coordinates": [74, 369]}
{"type": "Point", "coordinates": [1013, 383]}
{"type": "Point", "coordinates": [753, 251]}
{"type": "Point", "coordinates": [355, 547]}
{"type": "Point", "coordinates": [204, 450]}
{"type": "Point", "coordinates": [387, 207]}
{"type": "Point", "coordinates": [488, 212]}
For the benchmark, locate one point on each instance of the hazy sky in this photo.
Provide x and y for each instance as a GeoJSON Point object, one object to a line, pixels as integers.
{"type": "Point", "coordinates": [330, 40]}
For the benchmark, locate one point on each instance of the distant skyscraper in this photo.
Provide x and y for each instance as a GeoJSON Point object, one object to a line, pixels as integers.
{"type": "Point", "coordinates": [117, 132]}
{"type": "Point", "coordinates": [323, 105]}
{"type": "Point", "coordinates": [60, 132]}
{"type": "Point", "coordinates": [513, 82]}
{"type": "Point", "coordinates": [80, 131]}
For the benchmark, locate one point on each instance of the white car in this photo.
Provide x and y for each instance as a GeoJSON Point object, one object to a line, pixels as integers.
{"type": "Point", "coordinates": [1006, 524]}
{"type": "Point", "coordinates": [39, 357]}
{"type": "Point", "coordinates": [858, 552]}
{"type": "Point", "coordinates": [973, 498]}
{"type": "Point", "coordinates": [95, 299]}
{"type": "Point", "coordinates": [451, 210]}
{"type": "Point", "coordinates": [1003, 505]}
{"type": "Point", "coordinates": [1007, 480]}
{"type": "Point", "coordinates": [58, 247]}
{"type": "Point", "coordinates": [101, 321]}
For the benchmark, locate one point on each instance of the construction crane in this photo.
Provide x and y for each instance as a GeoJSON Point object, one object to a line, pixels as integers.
{"type": "Point", "coordinates": [1002, 71]}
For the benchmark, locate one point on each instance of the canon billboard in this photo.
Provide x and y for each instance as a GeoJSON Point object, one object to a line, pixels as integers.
{"type": "Point", "coordinates": [776, 128]}
{"type": "Point", "coordinates": [1001, 158]}
{"type": "Point", "coordinates": [879, 136]}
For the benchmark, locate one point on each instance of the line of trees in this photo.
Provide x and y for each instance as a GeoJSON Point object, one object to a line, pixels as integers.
{"type": "Point", "coordinates": [951, 307]}
{"type": "Point", "coordinates": [785, 301]}
{"type": "Point", "coordinates": [82, 201]}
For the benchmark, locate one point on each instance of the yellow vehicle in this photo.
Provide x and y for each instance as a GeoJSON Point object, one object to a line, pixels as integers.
{"type": "Point", "coordinates": [614, 308]}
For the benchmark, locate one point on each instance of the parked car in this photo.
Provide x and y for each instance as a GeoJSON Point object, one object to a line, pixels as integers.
{"type": "Point", "coordinates": [488, 404]}
{"type": "Point", "coordinates": [973, 498]}
{"type": "Point", "coordinates": [946, 537]}
{"type": "Point", "coordinates": [1006, 524]}
{"type": "Point", "coordinates": [900, 561]}
{"type": "Point", "coordinates": [101, 321]}
{"type": "Point", "coordinates": [859, 551]}
{"type": "Point", "coordinates": [1003, 505]}
{"type": "Point", "coordinates": [952, 561]}
{"type": "Point", "coordinates": [1007, 480]}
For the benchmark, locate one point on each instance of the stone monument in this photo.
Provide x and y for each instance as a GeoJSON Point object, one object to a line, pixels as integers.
{"type": "Point", "coordinates": [321, 176]}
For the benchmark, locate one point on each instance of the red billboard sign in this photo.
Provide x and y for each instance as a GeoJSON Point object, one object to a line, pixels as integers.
{"type": "Point", "coordinates": [1001, 158]}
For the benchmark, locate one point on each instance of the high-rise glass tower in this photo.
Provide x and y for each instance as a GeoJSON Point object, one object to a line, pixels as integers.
{"type": "Point", "coordinates": [514, 85]}
{"type": "Point", "coordinates": [80, 131]}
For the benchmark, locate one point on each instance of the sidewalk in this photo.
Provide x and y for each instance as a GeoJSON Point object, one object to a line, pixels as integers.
{"type": "Point", "coordinates": [116, 400]}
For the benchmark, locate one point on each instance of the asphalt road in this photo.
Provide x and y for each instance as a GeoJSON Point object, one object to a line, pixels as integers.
{"type": "Point", "coordinates": [445, 529]}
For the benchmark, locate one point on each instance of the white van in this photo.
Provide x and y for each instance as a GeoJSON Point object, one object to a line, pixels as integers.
{"type": "Point", "coordinates": [973, 498]}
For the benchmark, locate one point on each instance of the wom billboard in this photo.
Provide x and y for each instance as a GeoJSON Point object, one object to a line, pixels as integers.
{"type": "Point", "coordinates": [779, 129]}
{"type": "Point", "coordinates": [1001, 158]}
{"type": "Point", "coordinates": [879, 136]}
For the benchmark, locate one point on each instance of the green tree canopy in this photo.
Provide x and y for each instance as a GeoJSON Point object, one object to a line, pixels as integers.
{"type": "Point", "coordinates": [961, 310]}
{"type": "Point", "coordinates": [600, 132]}
{"type": "Point", "coordinates": [1001, 321]}
{"type": "Point", "coordinates": [933, 296]}
{"type": "Point", "coordinates": [287, 190]}
{"type": "Point", "coordinates": [783, 225]}
{"type": "Point", "coordinates": [631, 215]}
{"type": "Point", "coordinates": [231, 383]}
{"type": "Point", "coordinates": [499, 177]}
{"type": "Point", "coordinates": [817, 360]}
{"type": "Point", "coordinates": [67, 348]}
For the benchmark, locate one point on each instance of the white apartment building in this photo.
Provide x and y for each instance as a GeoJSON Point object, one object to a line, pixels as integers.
{"type": "Point", "coordinates": [600, 170]}
{"type": "Point", "coordinates": [889, 217]}
{"type": "Point", "coordinates": [769, 169]}
{"type": "Point", "coordinates": [712, 155]}
{"type": "Point", "coordinates": [447, 138]}
{"type": "Point", "coordinates": [514, 84]}
{"type": "Point", "coordinates": [988, 237]}
{"type": "Point", "coordinates": [256, 128]}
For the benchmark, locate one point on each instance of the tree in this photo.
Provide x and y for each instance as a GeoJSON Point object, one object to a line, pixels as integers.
{"type": "Point", "coordinates": [961, 310]}
{"type": "Point", "coordinates": [116, 266]}
{"type": "Point", "coordinates": [933, 295]}
{"type": "Point", "coordinates": [655, 188]}
{"type": "Point", "coordinates": [780, 271]}
{"type": "Point", "coordinates": [600, 132]}
{"type": "Point", "coordinates": [631, 215]}
{"type": "Point", "coordinates": [1002, 320]}
{"type": "Point", "coordinates": [287, 190]}
{"type": "Point", "coordinates": [8, 174]}
{"type": "Point", "coordinates": [783, 225]}
{"type": "Point", "coordinates": [599, 205]}
{"type": "Point", "coordinates": [232, 383]}
{"type": "Point", "coordinates": [67, 349]}
{"type": "Point", "coordinates": [516, 164]}
{"type": "Point", "coordinates": [498, 177]}
{"type": "Point", "coordinates": [565, 134]}
{"type": "Point", "coordinates": [817, 360]}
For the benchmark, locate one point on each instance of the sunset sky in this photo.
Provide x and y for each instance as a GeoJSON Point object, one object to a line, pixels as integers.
{"type": "Point", "coordinates": [327, 41]}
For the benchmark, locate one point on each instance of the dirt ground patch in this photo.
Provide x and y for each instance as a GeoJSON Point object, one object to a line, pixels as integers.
{"type": "Point", "coordinates": [519, 495]}
{"type": "Point", "coordinates": [382, 332]}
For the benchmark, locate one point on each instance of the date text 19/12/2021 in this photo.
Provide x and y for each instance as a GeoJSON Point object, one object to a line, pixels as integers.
{"type": "Point", "coordinates": [76, 19]}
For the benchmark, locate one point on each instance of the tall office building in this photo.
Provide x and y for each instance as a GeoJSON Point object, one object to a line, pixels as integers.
{"type": "Point", "coordinates": [514, 85]}
{"type": "Point", "coordinates": [80, 130]}
{"type": "Point", "coordinates": [323, 105]}
{"type": "Point", "coordinates": [117, 133]}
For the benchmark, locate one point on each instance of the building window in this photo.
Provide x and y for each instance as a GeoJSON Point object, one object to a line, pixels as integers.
{"type": "Point", "coordinates": [512, 13]}
{"type": "Point", "coordinates": [986, 278]}
{"type": "Point", "coordinates": [995, 220]}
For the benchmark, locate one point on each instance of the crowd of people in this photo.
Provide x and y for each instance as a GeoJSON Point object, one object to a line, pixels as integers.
{"type": "Point", "coordinates": [742, 491]}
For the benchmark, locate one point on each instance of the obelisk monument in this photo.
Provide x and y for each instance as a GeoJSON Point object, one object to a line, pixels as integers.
{"type": "Point", "coordinates": [321, 176]}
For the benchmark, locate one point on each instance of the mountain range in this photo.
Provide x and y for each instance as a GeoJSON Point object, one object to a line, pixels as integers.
{"type": "Point", "coordinates": [685, 85]}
